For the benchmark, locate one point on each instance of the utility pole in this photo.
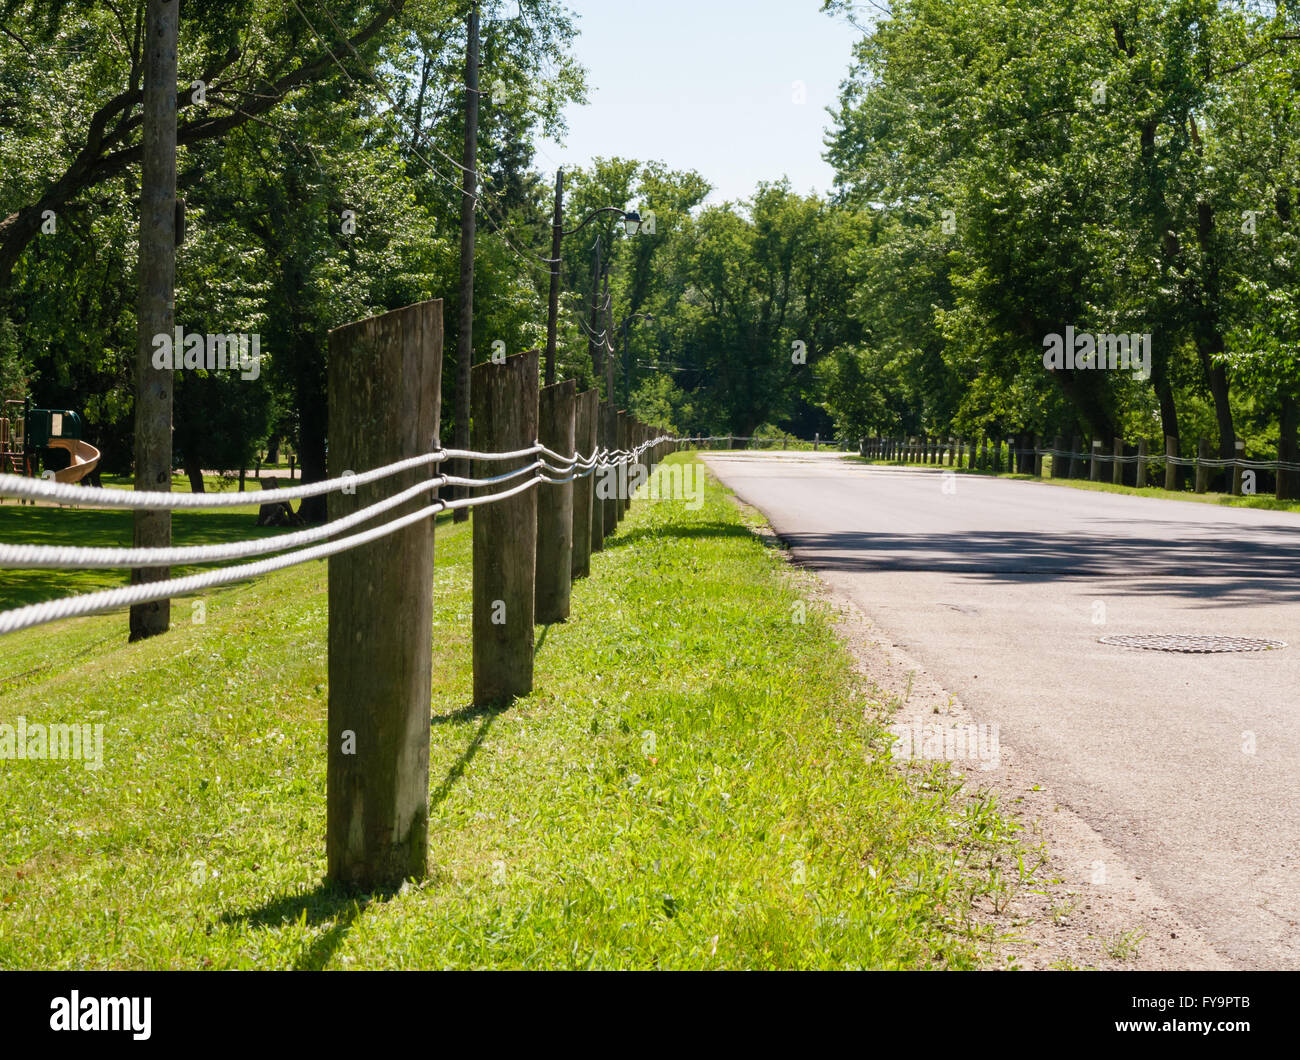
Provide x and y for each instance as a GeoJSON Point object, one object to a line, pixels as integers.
{"type": "Point", "coordinates": [156, 305]}
{"type": "Point", "coordinates": [593, 319]}
{"type": "Point", "coordinates": [557, 239]}
{"type": "Point", "coordinates": [468, 202]}
{"type": "Point", "coordinates": [627, 367]}
{"type": "Point", "coordinates": [609, 347]}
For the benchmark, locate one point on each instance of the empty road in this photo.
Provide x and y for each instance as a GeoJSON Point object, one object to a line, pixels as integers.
{"type": "Point", "coordinates": [1189, 765]}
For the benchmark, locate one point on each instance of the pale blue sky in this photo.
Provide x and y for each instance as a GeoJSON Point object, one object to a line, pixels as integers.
{"type": "Point", "coordinates": [708, 85]}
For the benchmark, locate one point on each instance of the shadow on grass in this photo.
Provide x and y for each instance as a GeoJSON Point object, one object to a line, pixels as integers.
{"type": "Point", "coordinates": [489, 717]}
{"type": "Point", "coordinates": [328, 903]}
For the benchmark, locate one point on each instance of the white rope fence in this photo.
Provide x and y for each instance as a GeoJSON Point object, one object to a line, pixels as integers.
{"type": "Point", "coordinates": [70, 558]}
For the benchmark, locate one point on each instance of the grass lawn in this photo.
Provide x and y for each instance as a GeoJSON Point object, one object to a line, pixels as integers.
{"type": "Point", "coordinates": [699, 781]}
{"type": "Point", "coordinates": [1264, 501]}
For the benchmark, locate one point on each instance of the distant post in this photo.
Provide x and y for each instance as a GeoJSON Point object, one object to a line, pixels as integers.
{"type": "Point", "coordinates": [505, 532]}
{"type": "Point", "coordinates": [1142, 464]}
{"type": "Point", "coordinates": [607, 481]}
{"type": "Point", "coordinates": [1171, 469]}
{"type": "Point", "coordinates": [384, 405]}
{"type": "Point", "coordinates": [624, 477]}
{"type": "Point", "coordinates": [588, 405]}
{"type": "Point", "coordinates": [1117, 468]}
{"type": "Point", "coordinates": [1202, 468]}
{"type": "Point", "coordinates": [556, 430]}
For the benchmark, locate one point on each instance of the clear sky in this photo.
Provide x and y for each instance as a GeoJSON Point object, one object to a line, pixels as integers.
{"type": "Point", "coordinates": [708, 85]}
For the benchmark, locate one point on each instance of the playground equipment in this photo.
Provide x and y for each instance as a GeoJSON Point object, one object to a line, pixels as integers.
{"type": "Point", "coordinates": [44, 437]}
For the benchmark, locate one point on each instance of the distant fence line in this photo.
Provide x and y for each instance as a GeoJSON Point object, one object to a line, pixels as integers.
{"type": "Point", "coordinates": [1130, 464]}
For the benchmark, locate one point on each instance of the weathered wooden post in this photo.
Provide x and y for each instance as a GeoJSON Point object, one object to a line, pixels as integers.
{"type": "Point", "coordinates": [1171, 469]}
{"type": "Point", "coordinates": [556, 429]}
{"type": "Point", "coordinates": [607, 480]}
{"type": "Point", "coordinates": [1117, 469]}
{"type": "Point", "coordinates": [1202, 469]}
{"type": "Point", "coordinates": [1142, 464]}
{"type": "Point", "coordinates": [1284, 487]}
{"type": "Point", "coordinates": [624, 476]}
{"type": "Point", "coordinates": [1237, 469]}
{"type": "Point", "coordinates": [1094, 470]}
{"type": "Point", "coordinates": [505, 532]}
{"type": "Point", "coordinates": [384, 406]}
{"type": "Point", "coordinates": [585, 529]}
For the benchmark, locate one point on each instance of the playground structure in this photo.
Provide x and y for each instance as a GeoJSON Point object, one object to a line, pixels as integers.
{"type": "Point", "coordinates": [48, 438]}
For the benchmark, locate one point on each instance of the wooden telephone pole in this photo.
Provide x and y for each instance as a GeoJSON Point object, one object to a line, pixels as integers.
{"type": "Point", "coordinates": [156, 306]}
{"type": "Point", "coordinates": [557, 246]}
{"type": "Point", "coordinates": [468, 202]}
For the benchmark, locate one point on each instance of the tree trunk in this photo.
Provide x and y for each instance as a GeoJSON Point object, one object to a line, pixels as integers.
{"type": "Point", "coordinates": [194, 472]}
{"type": "Point", "coordinates": [312, 457]}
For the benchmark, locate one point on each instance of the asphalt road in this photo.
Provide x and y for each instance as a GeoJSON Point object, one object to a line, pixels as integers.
{"type": "Point", "coordinates": [1189, 765]}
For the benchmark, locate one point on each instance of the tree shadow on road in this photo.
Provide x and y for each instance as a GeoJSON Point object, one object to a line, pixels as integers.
{"type": "Point", "coordinates": [1219, 563]}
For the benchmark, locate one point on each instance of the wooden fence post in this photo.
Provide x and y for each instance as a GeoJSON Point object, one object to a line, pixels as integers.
{"type": "Point", "coordinates": [1142, 464]}
{"type": "Point", "coordinates": [556, 429]}
{"type": "Point", "coordinates": [1202, 470]}
{"type": "Point", "coordinates": [504, 397]}
{"type": "Point", "coordinates": [624, 475]}
{"type": "Point", "coordinates": [1284, 486]}
{"type": "Point", "coordinates": [585, 529]}
{"type": "Point", "coordinates": [384, 406]}
{"type": "Point", "coordinates": [607, 482]}
{"type": "Point", "coordinates": [1171, 469]}
{"type": "Point", "coordinates": [1117, 468]}
{"type": "Point", "coordinates": [1237, 469]}
{"type": "Point", "coordinates": [1094, 469]}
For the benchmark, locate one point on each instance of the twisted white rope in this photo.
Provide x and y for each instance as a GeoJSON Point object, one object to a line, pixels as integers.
{"type": "Point", "coordinates": [143, 500]}
{"type": "Point", "coordinates": [112, 599]}
{"type": "Point", "coordinates": [72, 558]}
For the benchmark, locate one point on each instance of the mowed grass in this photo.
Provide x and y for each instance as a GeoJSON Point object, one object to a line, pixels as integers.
{"type": "Point", "coordinates": [698, 781]}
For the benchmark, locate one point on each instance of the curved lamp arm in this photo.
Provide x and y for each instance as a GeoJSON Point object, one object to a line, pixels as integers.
{"type": "Point", "coordinates": [627, 216]}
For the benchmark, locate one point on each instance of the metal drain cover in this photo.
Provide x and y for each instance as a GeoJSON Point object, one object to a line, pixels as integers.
{"type": "Point", "coordinates": [1197, 645]}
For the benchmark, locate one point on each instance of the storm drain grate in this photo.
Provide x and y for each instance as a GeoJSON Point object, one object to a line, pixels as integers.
{"type": "Point", "coordinates": [1198, 645]}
